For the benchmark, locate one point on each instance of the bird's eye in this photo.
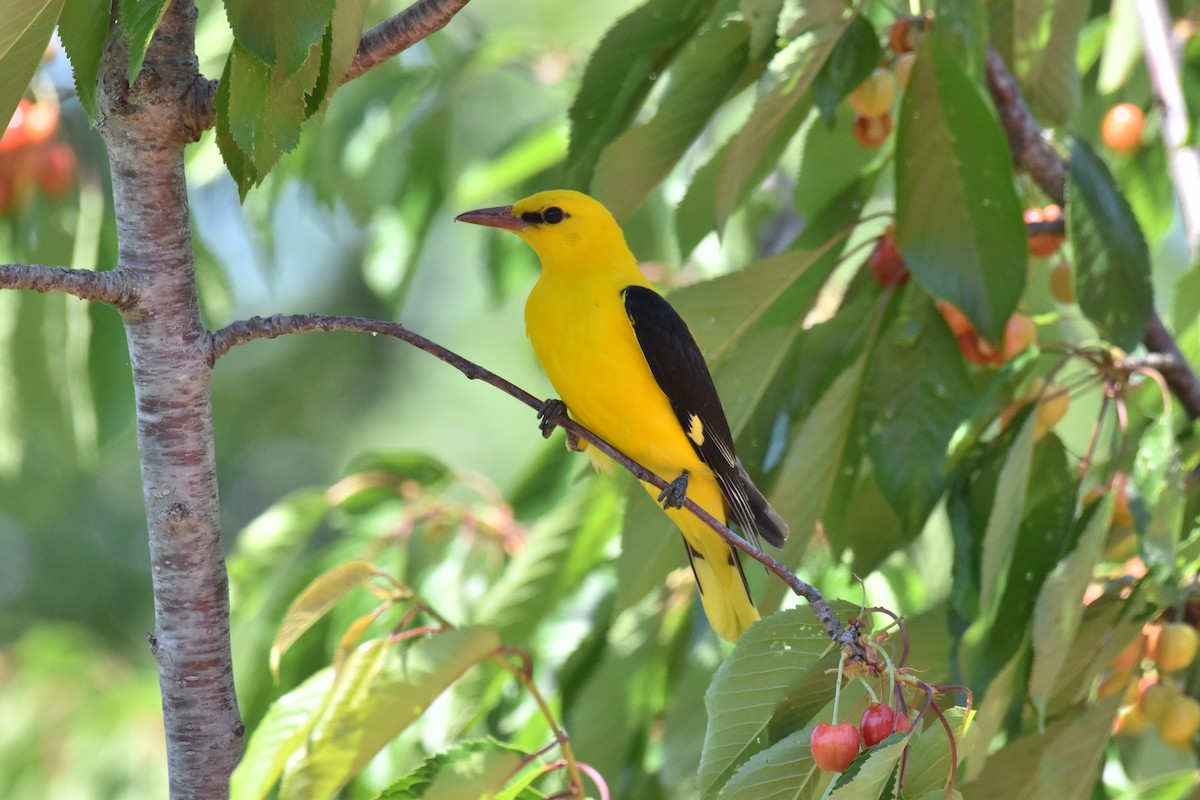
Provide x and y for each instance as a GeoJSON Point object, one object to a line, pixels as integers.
{"type": "Point", "coordinates": [553, 215]}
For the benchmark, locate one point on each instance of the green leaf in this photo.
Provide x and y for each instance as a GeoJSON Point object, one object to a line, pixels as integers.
{"type": "Point", "coordinates": [560, 551]}
{"type": "Point", "coordinates": [1004, 521]}
{"type": "Point", "coordinates": [1060, 605]}
{"type": "Point", "coordinates": [315, 601]}
{"type": "Point", "coordinates": [380, 692]}
{"type": "Point", "coordinates": [854, 58]}
{"type": "Point", "coordinates": [872, 771]}
{"type": "Point", "coordinates": [345, 32]}
{"type": "Point", "coordinates": [279, 33]}
{"type": "Point", "coordinates": [927, 766]}
{"type": "Point", "coordinates": [830, 162]}
{"type": "Point", "coordinates": [755, 148]}
{"type": "Point", "coordinates": [621, 73]}
{"type": "Point", "coordinates": [1122, 47]}
{"type": "Point", "coordinates": [1045, 536]}
{"type": "Point", "coordinates": [282, 731]}
{"type": "Point", "coordinates": [83, 27]}
{"type": "Point", "coordinates": [958, 219]}
{"type": "Point", "coordinates": [1112, 262]}
{"type": "Point", "coordinates": [767, 689]}
{"type": "Point", "coordinates": [700, 79]}
{"type": "Point", "coordinates": [650, 549]}
{"type": "Point", "coordinates": [478, 769]}
{"type": "Point", "coordinates": [1161, 483]}
{"type": "Point", "coordinates": [917, 392]}
{"type": "Point", "coordinates": [28, 26]}
{"type": "Point", "coordinates": [1061, 763]}
{"type": "Point", "coordinates": [783, 771]}
{"type": "Point", "coordinates": [696, 215]}
{"type": "Point", "coordinates": [1038, 40]}
{"type": "Point", "coordinates": [812, 461]}
{"type": "Point", "coordinates": [265, 109]}
{"type": "Point", "coordinates": [763, 18]}
{"type": "Point", "coordinates": [139, 19]}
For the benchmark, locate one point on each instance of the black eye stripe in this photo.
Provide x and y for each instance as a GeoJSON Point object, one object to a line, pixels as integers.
{"type": "Point", "coordinates": [551, 216]}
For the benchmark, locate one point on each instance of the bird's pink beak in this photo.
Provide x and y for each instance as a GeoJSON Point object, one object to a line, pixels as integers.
{"type": "Point", "coordinates": [499, 217]}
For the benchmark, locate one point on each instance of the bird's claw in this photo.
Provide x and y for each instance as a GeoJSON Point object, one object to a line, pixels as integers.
{"type": "Point", "coordinates": [548, 414]}
{"type": "Point", "coordinates": [675, 493]}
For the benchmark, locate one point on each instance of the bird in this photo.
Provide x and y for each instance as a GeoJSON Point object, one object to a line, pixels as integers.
{"type": "Point", "coordinates": [625, 366]}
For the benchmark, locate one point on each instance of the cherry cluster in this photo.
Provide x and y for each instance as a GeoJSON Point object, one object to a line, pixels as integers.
{"type": "Point", "coordinates": [31, 158]}
{"type": "Point", "coordinates": [835, 746]}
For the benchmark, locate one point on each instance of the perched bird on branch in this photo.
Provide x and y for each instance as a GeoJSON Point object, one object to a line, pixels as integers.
{"type": "Point", "coordinates": [628, 369]}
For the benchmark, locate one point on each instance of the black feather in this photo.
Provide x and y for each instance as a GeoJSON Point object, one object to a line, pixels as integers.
{"type": "Point", "coordinates": [680, 371]}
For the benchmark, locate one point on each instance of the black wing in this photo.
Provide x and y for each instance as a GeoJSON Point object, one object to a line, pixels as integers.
{"type": "Point", "coordinates": [682, 374]}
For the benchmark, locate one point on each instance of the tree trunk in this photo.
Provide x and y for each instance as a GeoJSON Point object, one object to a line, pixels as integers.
{"type": "Point", "coordinates": [145, 127]}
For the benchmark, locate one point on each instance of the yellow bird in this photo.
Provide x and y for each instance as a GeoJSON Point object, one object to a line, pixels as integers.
{"type": "Point", "coordinates": [628, 369]}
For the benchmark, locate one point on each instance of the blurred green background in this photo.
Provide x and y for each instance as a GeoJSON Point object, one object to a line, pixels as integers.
{"type": "Point", "coordinates": [358, 220]}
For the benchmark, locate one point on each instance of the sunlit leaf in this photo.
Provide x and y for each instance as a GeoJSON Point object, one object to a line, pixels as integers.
{"type": "Point", "coordinates": [927, 765]}
{"type": "Point", "coordinates": [83, 28]}
{"type": "Point", "coordinates": [316, 601]}
{"type": "Point", "coordinates": [27, 29]}
{"type": "Point", "coordinates": [281, 732]}
{"type": "Point", "coordinates": [279, 33]}
{"type": "Point", "coordinates": [139, 19]}
{"type": "Point", "coordinates": [958, 220]}
{"type": "Point", "coordinates": [1038, 40]}
{"type": "Point", "coordinates": [622, 71]}
{"type": "Point", "coordinates": [1112, 262]}
{"type": "Point", "coordinates": [700, 78]}
{"type": "Point", "coordinates": [478, 769]}
{"type": "Point", "coordinates": [763, 18]}
{"type": "Point", "coordinates": [872, 771]}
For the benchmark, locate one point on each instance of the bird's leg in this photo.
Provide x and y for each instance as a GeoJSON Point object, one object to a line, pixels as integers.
{"type": "Point", "coordinates": [548, 414]}
{"type": "Point", "coordinates": [675, 493]}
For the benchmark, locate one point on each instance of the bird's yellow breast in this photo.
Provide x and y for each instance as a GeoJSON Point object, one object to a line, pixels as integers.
{"type": "Point", "coordinates": [587, 346]}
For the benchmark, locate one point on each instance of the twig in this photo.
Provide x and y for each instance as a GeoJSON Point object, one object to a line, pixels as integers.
{"type": "Point", "coordinates": [1029, 147]}
{"type": "Point", "coordinates": [1032, 151]}
{"type": "Point", "coordinates": [108, 286]}
{"type": "Point", "coordinates": [278, 325]}
{"type": "Point", "coordinates": [1183, 163]}
{"type": "Point", "coordinates": [401, 32]}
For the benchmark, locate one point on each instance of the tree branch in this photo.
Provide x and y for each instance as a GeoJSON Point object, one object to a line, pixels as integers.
{"type": "Point", "coordinates": [108, 286]}
{"type": "Point", "coordinates": [1183, 163]}
{"type": "Point", "coordinates": [1032, 151]}
{"type": "Point", "coordinates": [248, 330]}
{"type": "Point", "coordinates": [401, 32]}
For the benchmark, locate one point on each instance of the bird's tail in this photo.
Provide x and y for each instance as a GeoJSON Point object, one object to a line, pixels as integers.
{"type": "Point", "coordinates": [719, 577]}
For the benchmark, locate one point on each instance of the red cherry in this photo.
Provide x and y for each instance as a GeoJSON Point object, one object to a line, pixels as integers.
{"type": "Point", "coordinates": [872, 131]}
{"type": "Point", "coordinates": [57, 169]}
{"type": "Point", "coordinates": [878, 722]}
{"type": "Point", "coordinates": [885, 261]}
{"type": "Point", "coordinates": [902, 723]}
{"type": "Point", "coordinates": [834, 746]}
{"type": "Point", "coordinates": [14, 135]}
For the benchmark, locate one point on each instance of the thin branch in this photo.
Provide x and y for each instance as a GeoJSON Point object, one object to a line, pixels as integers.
{"type": "Point", "coordinates": [1029, 147]}
{"type": "Point", "coordinates": [108, 286]}
{"type": "Point", "coordinates": [401, 32]}
{"type": "Point", "coordinates": [278, 325]}
{"type": "Point", "coordinates": [1032, 151]}
{"type": "Point", "coordinates": [1183, 163]}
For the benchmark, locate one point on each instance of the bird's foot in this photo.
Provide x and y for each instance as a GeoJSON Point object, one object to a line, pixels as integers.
{"type": "Point", "coordinates": [575, 444]}
{"type": "Point", "coordinates": [675, 493]}
{"type": "Point", "coordinates": [548, 415]}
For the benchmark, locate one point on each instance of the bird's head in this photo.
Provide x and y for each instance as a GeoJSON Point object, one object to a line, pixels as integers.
{"type": "Point", "coordinates": [564, 228]}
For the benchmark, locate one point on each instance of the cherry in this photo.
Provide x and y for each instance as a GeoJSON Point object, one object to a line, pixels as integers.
{"type": "Point", "coordinates": [875, 95]}
{"type": "Point", "coordinates": [834, 746]}
{"type": "Point", "coordinates": [1122, 128]}
{"type": "Point", "coordinates": [885, 261]}
{"type": "Point", "coordinates": [1044, 244]}
{"type": "Point", "coordinates": [878, 722]}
